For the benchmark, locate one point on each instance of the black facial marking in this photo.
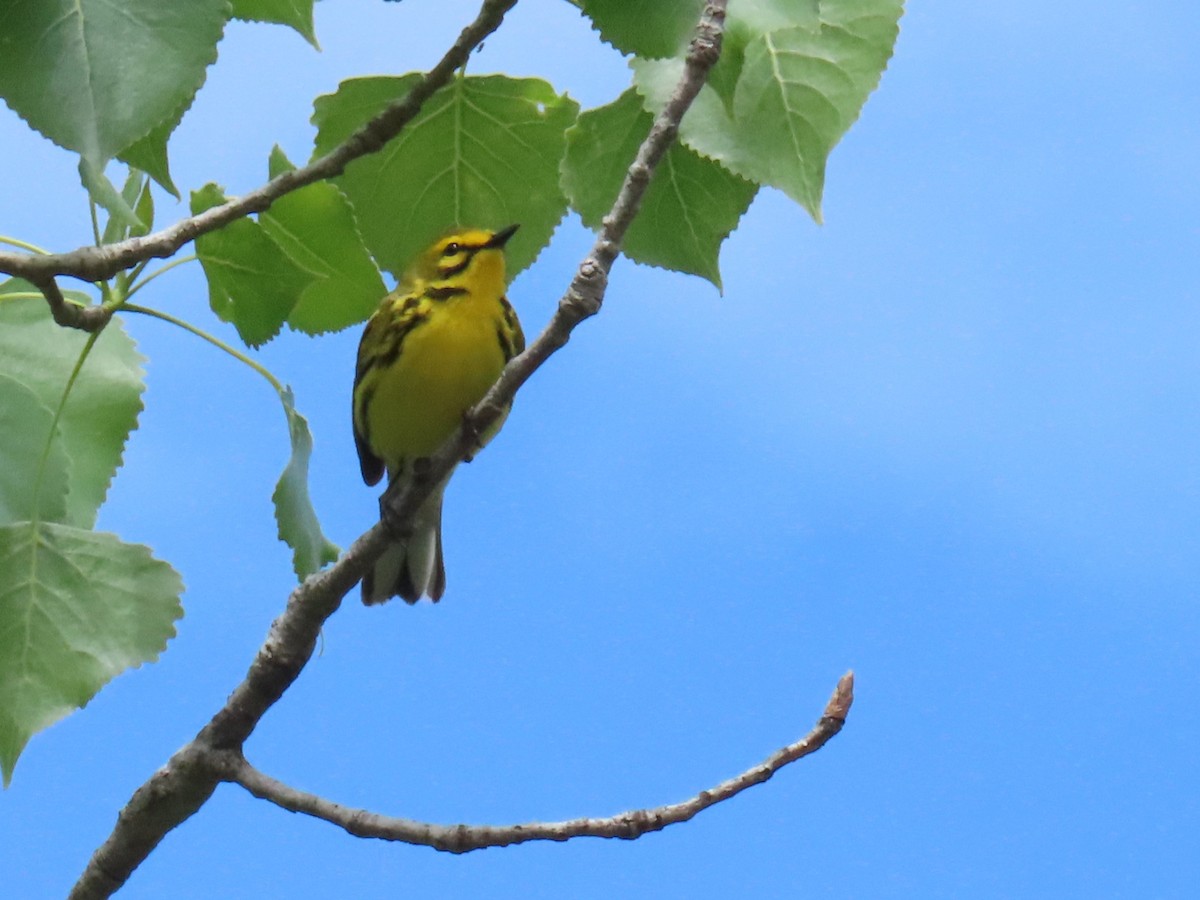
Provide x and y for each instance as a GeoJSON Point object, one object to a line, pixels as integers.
{"type": "Point", "coordinates": [445, 293]}
{"type": "Point", "coordinates": [449, 271]}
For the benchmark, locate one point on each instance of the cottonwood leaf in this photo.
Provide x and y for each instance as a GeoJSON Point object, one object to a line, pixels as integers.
{"type": "Point", "coordinates": [251, 281]}
{"type": "Point", "coordinates": [95, 76]}
{"type": "Point", "coordinates": [798, 91]}
{"type": "Point", "coordinates": [315, 227]}
{"type": "Point", "coordinates": [484, 151]}
{"type": "Point", "coordinates": [690, 207]}
{"type": "Point", "coordinates": [104, 403]}
{"type": "Point", "coordinates": [746, 20]}
{"type": "Point", "coordinates": [294, 513]}
{"type": "Point", "coordinates": [77, 608]}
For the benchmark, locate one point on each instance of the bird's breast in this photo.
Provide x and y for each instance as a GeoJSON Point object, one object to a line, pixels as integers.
{"type": "Point", "coordinates": [444, 367]}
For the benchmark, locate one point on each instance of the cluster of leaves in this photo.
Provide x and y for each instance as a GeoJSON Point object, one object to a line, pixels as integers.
{"type": "Point", "coordinates": [492, 150]}
{"type": "Point", "coordinates": [78, 607]}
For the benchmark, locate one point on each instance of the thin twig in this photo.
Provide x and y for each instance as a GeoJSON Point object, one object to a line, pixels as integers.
{"type": "Point", "coordinates": [183, 785]}
{"type": "Point", "coordinates": [99, 263]}
{"type": "Point", "coordinates": [465, 838]}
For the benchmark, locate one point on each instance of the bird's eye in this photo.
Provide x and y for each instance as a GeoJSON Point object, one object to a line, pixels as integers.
{"type": "Point", "coordinates": [451, 249]}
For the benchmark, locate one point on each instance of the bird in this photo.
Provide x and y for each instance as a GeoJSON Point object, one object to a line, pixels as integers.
{"type": "Point", "coordinates": [427, 355]}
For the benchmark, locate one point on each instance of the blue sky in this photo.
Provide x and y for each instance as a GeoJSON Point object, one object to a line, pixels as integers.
{"type": "Point", "coordinates": [949, 440]}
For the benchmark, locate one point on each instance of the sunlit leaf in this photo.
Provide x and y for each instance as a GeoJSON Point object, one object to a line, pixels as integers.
{"type": "Point", "coordinates": [484, 152]}
{"type": "Point", "coordinates": [748, 19]}
{"type": "Point", "coordinates": [77, 608]}
{"type": "Point", "coordinates": [797, 92]}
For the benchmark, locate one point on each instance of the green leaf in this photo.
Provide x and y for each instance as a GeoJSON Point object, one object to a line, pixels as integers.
{"type": "Point", "coordinates": [798, 91]}
{"type": "Point", "coordinates": [150, 153]}
{"type": "Point", "coordinates": [315, 227]}
{"type": "Point", "coordinates": [104, 194]}
{"type": "Point", "coordinates": [103, 406]}
{"type": "Point", "coordinates": [95, 76]}
{"type": "Point", "coordinates": [251, 281]}
{"type": "Point", "coordinates": [746, 20]}
{"type": "Point", "coordinates": [484, 152]}
{"type": "Point", "coordinates": [25, 423]}
{"type": "Point", "coordinates": [296, 14]}
{"type": "Point", "coordinates": [136, 194]}
{"type": "Point", "coordinates": [77, 608]}
{"type": "Point", "coordinates": [646, 27]}
{"type": "Point", "coordinates": [690, 207]}
{"type": "Point", "coordinates": [294, 513]}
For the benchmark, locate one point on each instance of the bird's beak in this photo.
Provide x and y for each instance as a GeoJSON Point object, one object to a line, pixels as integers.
{"type": "Point", "coordinates": [500, 238]}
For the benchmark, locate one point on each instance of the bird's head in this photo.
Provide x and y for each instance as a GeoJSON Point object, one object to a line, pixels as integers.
{"type": "Point", "coordinates": [464, 255]}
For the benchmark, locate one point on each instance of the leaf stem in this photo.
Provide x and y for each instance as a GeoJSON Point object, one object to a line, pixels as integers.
{"type": "Point", "coordinates": [95, 222]}
{"type": "Point", "coordinates": [203, 335]}
{"type": "Point", "coordinates": [23, 245]}
{"type": "Point", "coordinates": [62, 403]}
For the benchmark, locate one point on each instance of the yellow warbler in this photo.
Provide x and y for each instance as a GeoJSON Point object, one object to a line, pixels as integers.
{"type": "Point", "coordinates": [427, 355]}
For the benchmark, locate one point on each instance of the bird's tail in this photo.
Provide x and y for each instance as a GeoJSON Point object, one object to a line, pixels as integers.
{"type": "Point", "coordinates": [412, 568]}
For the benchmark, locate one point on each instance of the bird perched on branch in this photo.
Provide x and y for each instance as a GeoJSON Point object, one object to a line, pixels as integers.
{"type": "Point", "coordinates": [428, 354]}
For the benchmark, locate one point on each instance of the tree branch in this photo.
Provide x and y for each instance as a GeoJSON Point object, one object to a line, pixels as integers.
{"type": "Point", "coordinates": [182, 786]}
{"type": "Point", "coordinates": [99, 263]}
{"type": "Point", "coordinates": [465, 838]}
